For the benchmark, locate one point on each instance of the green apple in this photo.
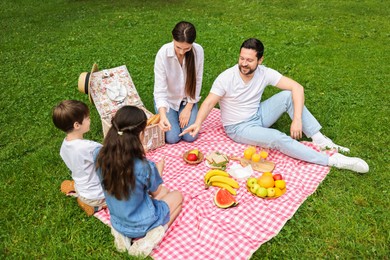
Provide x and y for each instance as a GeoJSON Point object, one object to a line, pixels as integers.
{"type": "Point", "coordinates": [270, 192]}
{"type": "Point", "coordinates": [254, 188]}
{"type": "Point", "coordinates": [261, 192]}
{"type": "Point", "coordinates": [251, 181]}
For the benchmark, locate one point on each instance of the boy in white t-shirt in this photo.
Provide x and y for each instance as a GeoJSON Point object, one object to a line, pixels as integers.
{"type": "Point", "coordinates": [72, 117]}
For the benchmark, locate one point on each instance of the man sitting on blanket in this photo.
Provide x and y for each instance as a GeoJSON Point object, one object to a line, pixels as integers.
{"type": "Point", "coordinates": [247, 120]}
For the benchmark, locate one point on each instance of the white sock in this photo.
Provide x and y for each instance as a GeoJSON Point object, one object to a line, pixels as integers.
{"type": "Point", "coordinates": [318, 138]}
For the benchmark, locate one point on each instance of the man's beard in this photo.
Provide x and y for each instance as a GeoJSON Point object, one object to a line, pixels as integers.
{"type": "Point", "coordinates": [246, 73]}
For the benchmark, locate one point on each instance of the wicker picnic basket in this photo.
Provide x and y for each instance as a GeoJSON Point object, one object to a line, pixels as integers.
{"type": "Point", "coordinates": [109, 90]}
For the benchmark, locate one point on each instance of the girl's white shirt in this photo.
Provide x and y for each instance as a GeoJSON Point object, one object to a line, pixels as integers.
{"type": "Point", "coordinates": [170, 77]}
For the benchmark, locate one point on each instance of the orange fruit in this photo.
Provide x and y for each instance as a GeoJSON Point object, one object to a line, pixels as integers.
{"type": "Point", "coordinates": [256, 157]}
{"type": "Point", "coordinates": [267, 174]}
{"type": "Point", "coordinates": [281, 184]}
{"type": "Point", "coordinates": [278, 192]}
{"type": "Point", "coordinates": [263, 154]}
{"type": "Point", "coordinates": [248, 152]}
{"type": "Point", "coordinates": [266, 181]}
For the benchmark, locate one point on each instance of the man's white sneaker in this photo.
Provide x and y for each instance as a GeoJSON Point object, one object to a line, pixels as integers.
{"type": "Point", "coordinates": [122, 243]}
{"type": "Point", "coordinates": [328, 144]}
{"type": "Point", "coordinates": [349, 163]}
{"type": "Point", "coordinates": [144, 246]}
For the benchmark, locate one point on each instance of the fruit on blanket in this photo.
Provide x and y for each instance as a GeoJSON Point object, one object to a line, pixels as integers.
{"type": "Point", "coordinates": [278, 192]}
{"type": "Point", "coordinates": [251, 181]}
{"type": "Point", "coordinates": [271, 192]}
{"type": "Point", "coordinates": [266, 181]}
{"type": "Point", "coordinates": [254, 188]}
{"type": "Point", "coordinates": [281, 184]}
{"type": "Point", "coordinates": [249, 151]}
{"type": "Point", "coordinates": [192, 157]}
{"type": "Point", "coordinates": [195, 151]}
{"type": "Point", "coordinates": [261, 192]}
{"type": "Point", "coordinates": [224, 186]}
{"type": "Point", "coordinates": [224, 179]}
{"type": "Point", "coordinates": [278, 177]}
{"type": "Point", "coordinates": [263, 154]}
{"type": "Point", "coordinates": [267, 174]}
{"type": "Point", "coordinates": [256, 157]}
{"type": "Point", "coordinates": [223, 199]}
{"type": "Point", "coordinates": [265, 186]}
{"type": "Point", "coordinates": [214, 172]}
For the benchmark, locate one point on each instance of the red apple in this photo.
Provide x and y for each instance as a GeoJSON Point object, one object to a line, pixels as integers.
{"type": "Point", "coordinates": [278, 177]}
{"type": "Point", "coordinates": [192, 157]}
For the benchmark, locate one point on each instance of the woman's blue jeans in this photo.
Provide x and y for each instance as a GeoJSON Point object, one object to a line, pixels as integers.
{"type": "Point", "coordinates": [172, 136]}
{"type": "Point", "coordinates": [256, 131]}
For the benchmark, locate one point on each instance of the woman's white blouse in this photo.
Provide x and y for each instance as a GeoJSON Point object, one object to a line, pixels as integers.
{"type": "Point", "coordinates": [170, 77]}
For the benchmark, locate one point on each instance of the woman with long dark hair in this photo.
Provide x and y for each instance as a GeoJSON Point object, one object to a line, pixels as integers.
{"type": "Point", "coordinates": [178, 73]}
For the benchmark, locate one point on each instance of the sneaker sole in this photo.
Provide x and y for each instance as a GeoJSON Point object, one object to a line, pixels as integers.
{"type": "Point", "coordinates": [145, 245]}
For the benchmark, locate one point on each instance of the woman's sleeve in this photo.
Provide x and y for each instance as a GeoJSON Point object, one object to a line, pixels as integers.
{"type": "Point", "coordinates": [199, 54]}
{"type": "Point", "coordinates": [160, 82]}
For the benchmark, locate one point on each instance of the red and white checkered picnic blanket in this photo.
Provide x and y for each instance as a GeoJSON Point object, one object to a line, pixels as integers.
{"type": "Point", "coordinates": [204, 231]}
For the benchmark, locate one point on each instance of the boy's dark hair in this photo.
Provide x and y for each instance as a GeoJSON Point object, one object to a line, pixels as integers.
{"type": "Point", "coordinates": [68, 112]}
{"type": "Point", "coordinates": [254, 44]}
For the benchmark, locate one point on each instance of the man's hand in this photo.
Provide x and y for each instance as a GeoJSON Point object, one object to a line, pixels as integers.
{"type": "Point", "coordinates": [192, 130]}
{"type": "Point", "coordinates": [296, 129]}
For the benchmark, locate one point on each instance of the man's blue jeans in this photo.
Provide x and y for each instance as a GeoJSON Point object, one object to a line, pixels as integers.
{"type": "Point", "coordinates": [256, 131]}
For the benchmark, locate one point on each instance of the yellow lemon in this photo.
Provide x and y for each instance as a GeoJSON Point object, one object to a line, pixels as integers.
{"type": "Point", "coordinates": [256, 157]}
{"type": "Point", "coordinates": [249, 152]}
{"type": "Point", "coordinates": [281, 184]}
{"type": "Point", "coordinates": [263, 154]}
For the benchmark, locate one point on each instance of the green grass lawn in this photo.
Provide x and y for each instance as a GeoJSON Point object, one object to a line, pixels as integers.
{"type": "Point", "coordinates": [339, 51]}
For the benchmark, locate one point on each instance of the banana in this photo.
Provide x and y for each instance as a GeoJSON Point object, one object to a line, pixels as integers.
{"type": "Point", "coordinates": [215, 172]}
{"type": "Point", "coordinates": [224, 179]}
{"type": "Point", "coordinates": [224, 186]}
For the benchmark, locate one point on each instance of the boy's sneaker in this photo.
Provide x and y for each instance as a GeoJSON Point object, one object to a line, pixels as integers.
{"type": "Point", "coordinates": [144, 246]}
{"type": "Point", "coordinates": [67, 187]}
{"type": "Point", "coordinates": [349, 163]}
{"type": "Point", "coordinates": [88, 209]}
{"type": "Point", "coordinates": [328, 144]}
{"type": "Point", "coordinates": [122, 243]}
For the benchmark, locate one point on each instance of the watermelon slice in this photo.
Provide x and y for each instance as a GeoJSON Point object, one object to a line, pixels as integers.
{"type": "Point", "coordinates": [224, 199]}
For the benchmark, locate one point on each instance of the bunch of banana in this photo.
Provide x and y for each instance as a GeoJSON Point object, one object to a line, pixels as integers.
{"type": "Point", "coordinates": [219, 178]}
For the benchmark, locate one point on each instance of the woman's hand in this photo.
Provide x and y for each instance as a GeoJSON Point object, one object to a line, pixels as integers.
{"type": "Point", "coordinates": [164, 122]}
{"type": "Point", "coordinates": [185, 114]}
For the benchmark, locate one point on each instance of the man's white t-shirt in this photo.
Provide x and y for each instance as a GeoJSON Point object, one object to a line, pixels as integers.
{"type": "Point", "coordinates": [240, 101]}
{"type": "Point", "coordinates": [78, 157]}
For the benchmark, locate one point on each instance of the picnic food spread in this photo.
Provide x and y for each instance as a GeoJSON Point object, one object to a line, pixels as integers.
{"type": "Point", "coordinates": [267, 185]}
{"type": "Point", "coordinates": [219, 178]}
{"type": "Point", "coordinates": [193, 156]}
{"type": "Point", "coordinates": [256, 160]}
{"type": "Point", "coordinates": [223, 199]}
{"type": "Point", "coordinates": [217, 160]}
